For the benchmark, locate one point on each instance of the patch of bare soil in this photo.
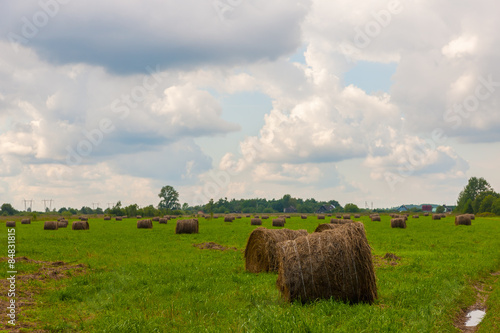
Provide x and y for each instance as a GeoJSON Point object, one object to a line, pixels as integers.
{"type": "Point", "coordinates": [389, 259]}
{"type": "Point", "coordinates": [26, 288]}
{"type": "Point", "coordinates": [213, 246]}
{"type": "Point", "coordinates": [483, 290]}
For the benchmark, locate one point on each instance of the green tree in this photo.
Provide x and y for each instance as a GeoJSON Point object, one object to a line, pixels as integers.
{"type": "Point", "coordinates": [351, 208]}
{"type": "Point", "coordinates": [474, 187]}
{"type": "Point", "coordinates": [8, 209]}
{"type": "Point", "coordinates": [487, 204]}
{"type": "Point", "coordinates": [468, 207]}
{"type": "Point", "coordinates": [169, 198]}
{"type": "Point", "coordinates": [440, 209]}
{"type": "Point", "coordinates": [209, 207]}
{"type": "Point", "coordinates": [495, 208]}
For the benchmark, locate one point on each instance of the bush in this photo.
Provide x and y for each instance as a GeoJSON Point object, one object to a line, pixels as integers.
{"type": "Point", "coordinates": [495, 208]}
{"type": "Point", "coordinates": [485, 214]}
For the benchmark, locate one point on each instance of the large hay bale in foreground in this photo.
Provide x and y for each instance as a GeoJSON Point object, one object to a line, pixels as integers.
{"type": "Point", "coordinates": [80, 225]}
{"type": "Point", "coordinates": [62, 224]}
{"type": "Point", "coordinates": [186, 227]}
{"type": "Point", "coordinates": [26, 221]}
{"type": "Point", "coordinates": [327, 226]}
{"type": "Point", "coordinates": [398, 223]}
{"type": "Point", "coordinates": [163, 220]}
{"type": "Point", "coordinates": [255, 221]}
{"type": "Point", "coordinates": [340, 221]}
{"type": "Point", "coordinates": [260, 252]}
{"type": "Point", "coordinates": [50, 225]}
{"type": "Point", "coordinates": [334, 264]}
{"type": "Point", "coordinates": [463, 220]}
{"type": "Point", "coordinates": [278, 222]}
{"type": "Point", "coordinates": [145, 224]}
{"type": "Point", "coordinates": [10, 224]}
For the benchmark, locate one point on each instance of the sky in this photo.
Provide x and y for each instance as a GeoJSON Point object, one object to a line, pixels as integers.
{"type": "Point", "coordinates": [377, 103]}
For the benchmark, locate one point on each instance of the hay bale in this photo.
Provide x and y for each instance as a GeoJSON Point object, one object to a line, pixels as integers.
{"type": "Point", "coordinates": [138, 217]}
{"type": "Point", "coordinates": [426, 214]}
{"type": "Point", "coordinates": [347, 217]}
{"type": "Point", "coordinates": [339, 216]}
{"type": "Point", "coordinates": [472, 216]}
{"type": "Point", "coordinates": [163, 220]}
{"type": "Point", "coordinates": [463, 219]}
{"type": "Point", "coordinates": [10, 224]}
{"type": "Point", "coordinates": [334, 264]}
{"type": "Point", "coordinates": [303, 217]}
{"type": "Point", "coordinates": [375, 218]}
{"type": "Point", "coordinates": [186, 227]}
{"type": "Point", "coordinates": [50, 225]}
{"type": "Point", "coordinates": [118, 218]}
{"type": "Point", "coordinates": [156, 219]}
{"type": "Point", "coordinates": [107, 218]}
{"type": "Point", "coordinates": [145, 224]}
{"type": "Point", "coordinates": [260, 251]}
{"type": "Point", "coordinates": [279, 222]}
{"type": "Point", "coordinates": [80, 225]}
{"type": "Point", "coordinates": [416, 216]}
{"type": "Point", "coordinates": [398, 223]}
{"type": "Point", "coordinates": [62, 224]}
{"type": "Point", "coordinates": [288, 216]}
{"type": "Point", "coordinates": [264, 217]}
{"type": "Point", "coordinates": [248, 215]}
{"type": "Point", "coordinates": [321, 217]}
{"type": "Point", "coordinates": [436, 216]}
{"type": "Point", "coordinates": [340, 221]}
{"type": "Point", "coordinates": [228, 219]}
{"type": "Point", "coordinates": [357, 216]}
{"type": "Point", "coordinates": [26, 221]}
{"type": "Point", "coordinates": [255, 221]}
{"type": "Point", "coordinates": [327, 226]}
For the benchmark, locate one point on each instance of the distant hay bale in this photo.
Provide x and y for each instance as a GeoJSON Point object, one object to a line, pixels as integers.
{"type": "Point", "coordinates": [107, 218]}
{"type": "Point", "coordinates": [264, 217]}
{"type": "Point", "coordinates": [339, 216]}
{"type": "Point", "coordinates": [329, 215]}
{"type": "Point", "coordinates": [118, 218]}
{"type": "Point", "coordinates": [216, 216]}
{"type": "Point", "coordinates": [340, 221]}
{"type": "Point", "coordinates": [10, 224]}
{"type": "Point", "coordinates": [357, 216]}
{"type": "Point", "coordinates": [463, 220]}
{"type": "Point", "coordinates": [426, 214]}
{"type": "Point", "coordinates": [279, 222]}
{"type": "Point", "coordinates": [50, 225]}
{"type": "Point", "coordinates": [321, 217]}
{"type": "Point", "coordinates": [239, 217]}
{"type": "Point", "coordinates": [156, 219]}
{"type": "Point", "coordinates": [248, 215]}
{"type": "Point", "coordinates": [62, 224]}
{"type": "Point", "coordinates": [163, 220]}
{"type": "Point", "coordinates": [398, 223]}
{"type": "Point", "coordinates": [84, 218]}
{"type": "Point", "coordinates": [442, 215]}
{"type": "Point", "coordinates": [138, 217]}
{"type": "Point", "coordinates": [260, 251]}
{"type": "Point", "coordinates": [335, 263]}
{"type": "Point", "coordinates": [327, 226]}
{"type": "Point", "coordinates": [145, 224]}
{"type": "Point", "coordinates": [288, 216]}
{"type": "Point", "coordinates": [228, 219]}
{"type": "Point", "coordinates": [416, 216]}
{"type": "Point", "coordinates": [375, 218]}
{"type": "Point", "coordinates": [347, 217]}
{"type": "Point", "coordinates": [255, 221]}
{"type": "Point", "coordinates": [80, 225]}
{"type": "Point", "coordinates": [186, 227]}
{"type": "Point", "coordinates": [304, 217]}
{"type": "Point", "coordinates": [26, 221]}
{"type": "Point", "coordinates": [436, 216]}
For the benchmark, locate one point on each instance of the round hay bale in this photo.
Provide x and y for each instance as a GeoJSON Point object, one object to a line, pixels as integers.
{"type": "Point", "coordinates": [321, 217]}
{"type": "Point", "coordinates": [10, 224]}
{"type": "Point", "coordinates": [347, 217]}
{"type": "Point", "coordinates": [357, 216]}
{"type": "Point", "coordinates": [303, 217]}
{"type": "Point", "coordinates": [339, 216]}
{"type": "Point", "coordinates": [80, 225]}
{"type": "Point", "coordinates": [145, 224]}
{"type": "Point", "coordinates": [463, 220]}
{"type": "Point", "coordinates": [260, 251]}
{"type": "Point", "coordinates": [279, 222]}
{"type": "Point", "coordinates": [264, 217]}
{"type": "Point", "coordinates": [156, 219]}
{"type": "Point", "coordinates": [186, 227]}
{"type": "Point", "coordinates": [118, 218]}
{"type": "Point", "coordinates": [26, 221]}
{"type": "Point", "coordinates": [138, 217]}
{"type": "Point", "coordinates": [436, 216]}
{"type": "Point", "coordinates": [50, 225]}
{"type": "Point", "coordinates": [472, 216]}
{"type": "Point", "coordinates": [340, 221]}
{"type": "Point", "coordinates": [375, 218]}
{"type": "Point", "coordinates": [238, 217]}
{"type": "Point", "coordinates": [62, 224]}
{"type": "Point", "coordinates": [327, 226]}
{"type": "Point", "coordinates": [426, 214]}
{"type": "Point", "coordinates": [398, 223]}
{"type": "Point", "coordinates": [416, 216]}
{"type": "Point", "coordinates": [107, 218]}
{"type": "Point", "coordinates": [336, 264]}
{"type": "Point", "coordinates": [288, 216]}
{"type": "Point", "coordinates": [255, 221]}
{"type": "Point", "coordinates": [248, 215]}
{"type": "Point", "coordinates": [228, 219]}
{"type": "Point", "coordinates": [163, 220]}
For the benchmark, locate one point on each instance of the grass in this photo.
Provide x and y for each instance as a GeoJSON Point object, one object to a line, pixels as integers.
{"type": "Point", "coordinates": [141, 280]}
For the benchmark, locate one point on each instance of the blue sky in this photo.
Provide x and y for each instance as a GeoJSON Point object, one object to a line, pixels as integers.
{"type": "Point", "coordinates": [115, 100]}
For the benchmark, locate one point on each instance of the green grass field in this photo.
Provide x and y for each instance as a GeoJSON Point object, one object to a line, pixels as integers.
{"type": "Point", "coordinates": [140, 280]}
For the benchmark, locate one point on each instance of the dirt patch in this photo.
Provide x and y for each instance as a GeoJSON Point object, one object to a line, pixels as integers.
{"type": "Point", "coordinates": [213, 246]}
{"type": "Point", "coordinates": [483, 290]}
{"type": "Point", "coordinates": [27, 288]}
{"type": "Point", "coordinates": [389, 259]}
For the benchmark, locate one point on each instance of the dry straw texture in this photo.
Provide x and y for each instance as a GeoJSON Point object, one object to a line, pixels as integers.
{"type": "Point", "coordinates": [119, 218]}
{"type": "Point", "coordinates": [340, 221]}
{"type": "Point", "coordinates": [186, 227]}
{"type": "Point", "coordinates": [436, 216]}
{"type": "Point", "coordinates": [398, 223]}
{"type": "Point", "coordinates": [472, 216]}
{"type": "Point", "coordinates": [228, 219]}
{"type": "Point", "coordinates": [339, 216]}
{"type": "Point", "coordinates": [264, 217]}
{"type": "Point", "coordinates": [156, 219]}
{"type": "Point", "coordinates": [303, 217]}
{"type": "Point", "coordinates": [321, 217]}
{"type": "Point", "coordinates": [10, 224]}
{"type": "Point", "coordinates": [357, 216]}
{"type": "Point", "coordinates": [25, 221]}
{"type": "Point", "coordinates": [416, 216]}
{"type": "Point", "coordinates": [107, 218]}
{"type": "Point", "coordinates": [163, 220]}
{"type": "Point", "coordinates": [375, 217]}
{"type": "Point", "coordinates": [280, 222]}
{"type": "Point", "coordinates": [62, 224]}
{"type": "Point", "coordinates": [50, 225]}
{"type": "Point", "coordinates": [426, 214]}
{"type": "Point", "coordinates": [145, 224]}
{"type": "Point", "coordinates": [260, 252]}
{"type": "Point", "coordinates": [84, 218]}
{"type": "Point", "coordinates": [80, 225]}
{"type": "Point", "coordinates": [328, 226]}
{"type": "Point", "coordinates": [255, 221]}
{"type": "Point", "coordinates": [463, 220]}
{"type": "Point", "coordinates": [347, 217]}
{"type": "Point", "coordinates": [334, 264]}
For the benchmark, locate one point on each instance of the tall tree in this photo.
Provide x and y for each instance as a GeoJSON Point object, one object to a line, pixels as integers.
{"type": "Point", "coordinates": [8, 209]}
{"type": "Point", "coordinates": [170, 198]}
{"type": "Point", "coordinates": [474, 187]}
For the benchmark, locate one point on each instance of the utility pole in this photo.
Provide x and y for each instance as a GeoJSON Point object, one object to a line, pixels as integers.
{"type": "Point", "coordinates": [95, 204]}
{"type": "Point", "coordinates": [45, 203]}
{"type": "Point", "coordinates": [110, 204]}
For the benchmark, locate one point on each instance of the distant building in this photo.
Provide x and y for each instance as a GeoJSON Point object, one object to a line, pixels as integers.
{"type": "Point", "coordinates": [325, 209]}
{"type": "Point", "coordinates": [427, 208]}
{"type": "Point", "coordinates": [290, 209]}
{"type": "Point", "coordinates": [402, 209]}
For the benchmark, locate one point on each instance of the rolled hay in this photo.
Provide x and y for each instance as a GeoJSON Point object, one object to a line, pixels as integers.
{"type": "Point", "coordinates": [80, 225]}
{"type": "Point", "coordinates": [118, 218]}
{"type": "Point", "coordinates": [10, 224]}
{"type": "Point", "coordinates": [84, 218]}
{"type": "Point", "coordinates": [50, 225]}
{"type": "Point", "coordinates": [339, 216]}
{"type": "Point", "coordinates": [426, 214]}
{"type": "Point", "coordinates": [375, 218]}
{"type": "Point", "coordinates": [336, 264]}
{"type": "Point", "coordinates": [472, 216]}
{"type": "Point", "coordinates": [156, 219]}
{"type": "Point", "coordinates": [186, 227]}
{"type": "Point", "coordinates": [398, 223]}
{"type": "Point", "coordinates": [138, 217]}
{"type": "Point", "coordinates": [304, 217]}
{"type": "Point", "coordinates": [107, 218]}
{"type": "Point", "coordinates": [163, 220]}
{"type": "Point", "coordinates": [436, 216]}
{"type": "Point", "coordinates": [463, 220]}
{"type": "Point", "coordinates": [62, 224]}
{"type": "Point", "coordinates": [238, 217]}
{"type": "Point", "coordinates": [260, 252]}
{"type": "Point", "coordinates": [357, 216]}
{"type": "Point", "coordinates": [228, 219]}
{"type": "Point", "coordinates": [327, 226]}
{"type": "Point", "coordinates": [340, 221]}
{"type": "Point", "coordinates": [321, 217]}
{"type": "Point", "coordinates": [288, 216]}
{"type": "Point", "coordinates": [279, 222]}
{"type": "Point", "coordinates": [248, 215]}
{"type": "Point", "coordinates": [26, 221]}
{"type": "Point", "coordinates": [145, 224]}
{"type": "Point", "coordinates": [416, 216]}
{"type": "Point", "coordinates": [346, 217]}
{"type": "Point", "coordinates": [264, 217]}
{"type": "Point", "coordinates": [255, 221]}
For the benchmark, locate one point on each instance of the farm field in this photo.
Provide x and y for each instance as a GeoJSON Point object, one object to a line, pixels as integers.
{"type": "Point", "coordinates": [124, 279]}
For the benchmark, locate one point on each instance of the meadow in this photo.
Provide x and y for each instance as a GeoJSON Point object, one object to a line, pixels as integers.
{"type": "Point", "coordinates": [152, 280]}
